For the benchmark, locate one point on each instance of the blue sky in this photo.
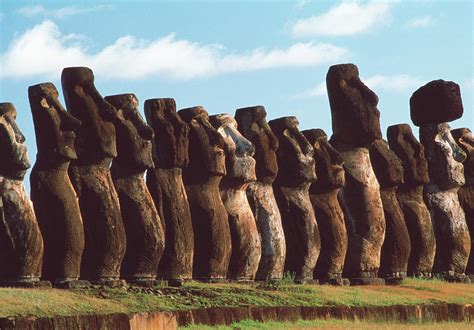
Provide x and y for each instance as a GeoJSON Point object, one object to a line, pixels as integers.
{"type": "Point", "coordinates": [225, 55]}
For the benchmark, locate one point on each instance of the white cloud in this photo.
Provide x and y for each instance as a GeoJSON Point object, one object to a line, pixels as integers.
{"type": "Point", "coordinates": [395, 83]}
{"type": "Point", "coordinates": [44, 50]}
{"type": "Point", "coordinates": [36, 10]}
{"type": "Point", "coordinates": [345, 19]}
{"type": "Point", "coordinates": [301, 3]}
{"type": "Point", "coordinates": [392, 83]}
{"type": "Point", "coordinates": [316, 91]}
{"type": "Point", "coordinates": [420, 22]}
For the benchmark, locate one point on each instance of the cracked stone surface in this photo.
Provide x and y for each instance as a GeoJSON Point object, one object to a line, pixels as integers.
{"type": "Point", "coordinates": [165, 182]}
{"type": "Point", "coordinates": [53, 196]}
{"type": "Point", "coordinates": [410, 197]}
{"type": "Point", "coordinates": [252, 125]}
{"type": "Point", "coordinates": [143, 227]}
{"type": "Point", "coordinates": [105, 239]}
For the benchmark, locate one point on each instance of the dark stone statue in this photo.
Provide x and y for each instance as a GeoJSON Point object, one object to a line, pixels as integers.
{"type": "Point", "coordinates": [240, 168]}
{"type": "Point", "coordinates": [212, 238]}
{"type": "Point", "coordinates": [355, 124]}
{"type": "Point", "coordinates": [143, 227]}
{"type": "Point", "coordinates": [105, 240]}
{"type": "Point", "coordinates": [254, 127]}
{"type": "Point", "coordinates": [396, 246]}
{"type": "Point", "coordinates": [21, 243]}
{"type": "Point", "coordinates": [465, 140]}
{"type": "Point", "coordinates": [295, 175]}
{"type": "Point", "coordinates": [431, 106]}
{"type": "Point", "coordinates": [165, 182]}
{"type": "Point", "coordinates": [54, 199]}
{"type": "Point", "coordinates": [410, 197]}
{"type": "Point", "coordinates": [323, 194]}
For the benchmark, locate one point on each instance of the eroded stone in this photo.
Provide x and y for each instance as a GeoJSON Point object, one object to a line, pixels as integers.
{"type": "Point", "coordinates": [355, 122]}
{"type": "Point", "coordinates": [165, 182]}
{"type": "Point", "coordinates": [212, 238]}
{"type": "Point", "coordinates": [410, 197]}
{"type": "Point", "coordinates": [295, 175]}
{"type": "Point", "coordinates": [21, 243]}
{"type": "Point", "coordinates": [54, 199]}
{"type": "Point", "coordinates": [396, 246]}
{"type": "Point", "coordinates": [445, 157]}
{"type": "Point", "coordinates": [436, 102]}
{"type": "Point", "coordinates": [252, 125]}
{"type": "Point", "coordinates": [323, 194]}
{"type": "Point", "coordinates": [465, 139]}
{"type": "Point", "coordinates": [240, 168]}
{"type": "Point", "coordinates": [105, 240]}
{"type": "Point", "coordinates": [143, 227]}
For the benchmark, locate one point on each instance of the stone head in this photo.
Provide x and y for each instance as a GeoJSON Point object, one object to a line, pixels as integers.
{"type": "Point", "coordinates": [170, 145]}
{"type": "Point", "coordinates": [465, 139]}
{"type": "Point", "coordinates": [133, 135]}
{"type": "Point", "coordinates": [240, 165]}
{"type": "Point", "coordinates": [329, 163]}
{"type": "Point", "coordinates": [355, 117]}
{"type": "Point", "coordinates": [387, 166]}
{"type": "Point", "coordinates": [295, 153]}
{"type": "Point", "coordinates": [206, 145]}
{"type": "Point", "coordinates": [15, 160]}
{"type": "Point", "coordinates": [444, 156]}
{"type": "Point", "coordinates": [252, 123]}
{"type": "Point", "coordinates": [96, 136]}
{"type": "Point", "coordinates": [411, 152]}
{"type": "Point", "coordinates": [54, 127]}
{"type": "Point", "coordinates": [436, 102]}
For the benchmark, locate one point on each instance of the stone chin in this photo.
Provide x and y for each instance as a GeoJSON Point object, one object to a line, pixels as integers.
{"type": "Point", "coordinates": [307, 169]}
{"type": "Point", "coordinates": [337, 177]}
{"type": "Point", "coordinates": [243, 168]}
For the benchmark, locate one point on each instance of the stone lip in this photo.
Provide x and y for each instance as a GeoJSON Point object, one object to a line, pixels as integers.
{"type": "Point", "coordinates": [402, 314]}
{"type": "Point", "coordinates": [438, 101]}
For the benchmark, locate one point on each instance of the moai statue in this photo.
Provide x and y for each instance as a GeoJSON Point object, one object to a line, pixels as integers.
{"type": "Point", "coordinates": [295, 175]}
{"type": "Point", "coordinates": [431, 107]}
{"type": "Point", "coordinates": [355, 125]}
{"type": "Point", "coordinates": [212, 238]}
{"type": "Point", "coordinates": [465, 140]}
{"type": "Point", "coordinates": [165, 182]}
{"type": "Point", "coordinates": [105, 240]}
{"type": "Point", "coordinates": [53, 196]}
{"type": "Point", "coordinates": [396, 246]}
{"type": "Point", "coordinates": [240, 168]}
{"type": "Point", "coordinates": [143, 226]}
{"type": "Point", "coordinates": [410, 197]}
{"type": "Point", "coordinates": [21, 243]}
{"type": "Point", "coordinates": [323, 194]}
{"type": "Point", "coordinates": [254, 127]}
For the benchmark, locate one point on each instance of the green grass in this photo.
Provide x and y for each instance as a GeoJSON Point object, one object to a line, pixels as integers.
{"type": "Point", "coordinates": [331, 324]}
{"type": "Point", "coordinates": [49, 302]}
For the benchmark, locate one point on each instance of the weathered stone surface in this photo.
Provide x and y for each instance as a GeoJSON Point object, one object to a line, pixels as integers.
{"type": "Point", "coordinates": [355, 122]}
{"type": "Point", "coordinates": [165, 182]}
{"type": "Point", "coordinates": [445, 157]}
{"type": "Point", "coordinates": [212, 238]}
{"type": "Point", "coordinates": [105, 240]}
{"type": "Point", "coordinates": [240, 168]}
{"type": "Point", "coordinates": [410, 197]}
{"type": "Point", "coordinates": [465, 139]}
{"type": "Point", "coordinates": [323, 195]}
{"type": "Point", "coordinates": [436, 102]}
{"type": "Point", "coordinates": [396, 247]}
{"type": "Point", "coordinates": [252, 125]}
{"type": "Point", "coordinates": [295, 175]}
{"type": "Point", "coordinates": [21, 243]}
{"type": "Point", "coordinates": [53, 196]}
{"type": "Point", "coordinates": [355, 117]}
{"type": "Point", "coordinates": [143, 228]}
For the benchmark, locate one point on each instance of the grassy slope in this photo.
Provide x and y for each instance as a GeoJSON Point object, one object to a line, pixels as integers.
{"type": "Point", "coordinates": [48, 302]}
